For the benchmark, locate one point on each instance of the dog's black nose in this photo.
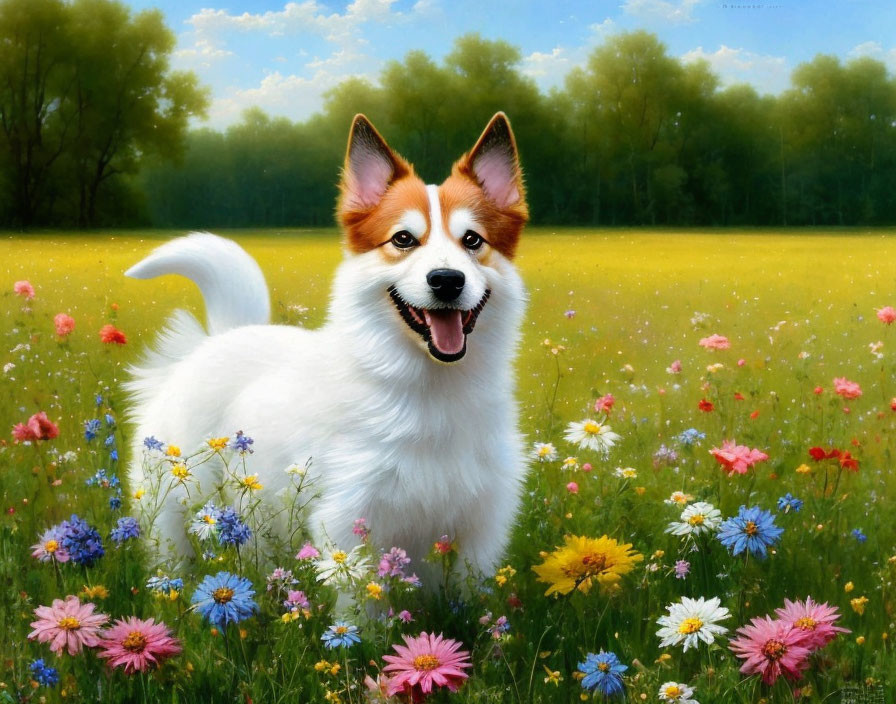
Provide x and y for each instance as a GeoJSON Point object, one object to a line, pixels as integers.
{"type": "Point", "coordinates": [446, 284]}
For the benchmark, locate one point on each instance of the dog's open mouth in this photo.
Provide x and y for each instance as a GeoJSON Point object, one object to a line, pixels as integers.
{"type": "Point", "coordinates": [444, 329]}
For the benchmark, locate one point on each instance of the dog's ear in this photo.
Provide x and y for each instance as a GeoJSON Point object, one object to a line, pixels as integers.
{"type": "Point", "coordinates": [370, 167]}
{"type": "Point", "coordinates": [494, 164]}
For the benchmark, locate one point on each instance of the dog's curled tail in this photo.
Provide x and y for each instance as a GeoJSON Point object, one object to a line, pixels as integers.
{"type": "Point", "coordinates": [231, 282]}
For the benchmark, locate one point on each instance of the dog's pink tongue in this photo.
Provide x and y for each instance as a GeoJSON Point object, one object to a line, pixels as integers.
{"type": "Point", "coordinates": [446, 329]}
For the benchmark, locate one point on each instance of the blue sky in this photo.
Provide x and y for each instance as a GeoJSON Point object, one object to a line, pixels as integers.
{"type": "Point", "coordinates": [283, 55]}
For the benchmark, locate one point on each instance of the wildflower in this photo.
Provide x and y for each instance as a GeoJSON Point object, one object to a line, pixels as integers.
{"type": "Point", "coordinates": [499, 627]}
{"type": "Point", "coordinates": [859, 535]}
{"type": "Point", "coordinates": [340, 635]}
{"type": "Point", "coordinates": [91, 428]}
{"type": "Point", "coordinates": [181, 472]}
{"type": "Point", "coordinates": [405, 616]}
{"type": "Point", "coordinates": [678, 498]}
{"type": "Point", "coordinates": [242, 443]}
{"type": "Point", "coordinates": [225, 598]}
{"type": "Point", "coordinates": [339, 567]}
{"type": "Point", "coordinates": [570, 463]}
{"type": "Point", "coordinates": [715, 342]}
{"type": "Point", "coordinates": [251, 483]}
{"type": "Point", "coordinates": [49, 548]}
{"type": "Point", "coordinates": [582, 560]}
{"type": "Point", "coordinates": [544, 452]}
{"type": "Point", "coordinates": [736, 458]}
{"type": "Point", "coordinates": [392, 563]}
{"type": "Point", "coordinates": [700, 518]}
{"type": "Point", "coordinates": [626, 472]}
{"type": "Point", "coordinates": [572, 488]}
{"type": "Point", "coordinates": [218, 444]}
{"type": "Point", "coordinates": [444, 545]}
{"type": "Point", "coordinates": [886, 315]}
{"type": "Point", "coordinates": [172, 451]}
{"type": "Point", "coordinates": [788, 503]}
{"type": "Point", "coordinates": [858, 604]}
{"type": "Point", "coordinates": [360, 529]}
{"type": "Point", "coordinates": [64, 324]}
{"type": "Point", "coordinates": [205, 522]}
{"type": "Point", "coordinates": [23, 289]}
{"type": "Point", "coordinates": [280, 580]}
{"type": "Point", "coordinates": [675, 367]}
{"type": "Point", "coordinates": [848, 587]}
{"type": "Point", "coordinates": [604, 404]}
{"type": "Point", "coordinates": [753, 529]}
{"type": "Point", "coordinates": [692, 620]}
{"type": "Point", "coordinates": [165, 585]}
{"type": "Point", "coordinates": [771, 648]}
{"type": "Point", "coordinates": [846, 388]}
{"type": "Point", "coordinates": [110, 334]}
{"type": "Point", "coordinates": [125, 529]}
{"type": "Point", "coordinates": [804, 469]}
{"type": "Point", "coordinates": [815, 621]}
{"type": "Point", "coordinates": [664, 457]}
{"type": "Point", "coordinates": [38, 427]}
{"type": "Point", "coordinates": [706, 406]}
{"type": "Point", "coordinates": [592, 435]}
{"type": "Point", "coordinates": [690, 437]}
{"type": "Point", "coordinates": [43, 674]}
{"type": "Point", "coordinates": [308, 552]}
{"type": "Point", "coordinates": [504, 574]}
{"type": "Point", "coordinates": [150, 443]}
{"type": "Point", "coordinates": [676, 692]}
{"type": "Point", "coordinates": [682, 568]}
{"type": "Point", "coordinates": [296, 599]}
{"type": "Point", "coordinates": [603, 673]}
{"type": "Point", "coordinates": [231, 529]}
{"type": "Point", "coordinates": [82, 542]}
{"type": "Point", "coordinates": [553, 676]}
{"type": "Point", "coordinates": [570, 314]}
{"type": "Point", "coordinates": [67, 625]}
{"type": "Point", "coordinates": [374, 590]}
{"type": "Point", "coordinates": [138, 645]}
{"type": "Point", "coordinates": [424, 662]}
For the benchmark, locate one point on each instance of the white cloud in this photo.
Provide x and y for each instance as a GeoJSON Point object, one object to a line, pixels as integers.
{"type": "Point", "coordinates": [547, 70]}
{"type": "Point", "coordinates": [875, 50]}
{"type": "Point", "coordinates": [202, 52]}
{"type": "Point", "coordinates": [665, 11]}
{"type": "Point", "coordinates": [601, 30]}
{"type": "Point", "coordinates": [769, 74]}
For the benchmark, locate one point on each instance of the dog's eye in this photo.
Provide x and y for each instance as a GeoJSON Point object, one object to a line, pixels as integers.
{"type": "Point", "coordinates": [472, 240]}
{"type": "Point", "coordinates": [404, 240]}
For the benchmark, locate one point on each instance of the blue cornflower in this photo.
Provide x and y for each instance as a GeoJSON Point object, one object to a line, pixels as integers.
{"type": "Point", "coordinates": [98, 399]}
{"type": "Point", "coordinates": [113, 455]}
{"type": "Point", "coordinates": [115, 500]}
{"type": "Point", "coordinates": [689, 437]}
{"type": "Point", "coordinates": [110, 419]}
{"type": "Point", "coordinates": [103, 479]}
{"type": "Point", "coordinates": [242, 443]}
{"type": "Point", "coordinates": [231, 529]}
{"type": "Point", "coordinates": [43, 674]}
{"type": "Point", "coordinates": [225, 598]}
{"type": "Point", "coordinates": [110, 440]}
{"type": "Point", "coordinates": [125, 529]}
{"type": "Point", "coordinates": [859, 535]}
{"type": "Point", "coordinates": [151, 443]}
{"type": "Point", "coordinates": [788, 503]}
{"type": "Point", "coordinates": [82, 542]}
{"type": "Point", "coordinates": [751, 529]}
{"type": "Point", "coordinates": [163, 584]}
{"type": "Point", "coordinates": [91, 428]}
{"type": "Point", "coordinates": [603, 673]}
{"type": "Point", "coordinates": [340, 635]}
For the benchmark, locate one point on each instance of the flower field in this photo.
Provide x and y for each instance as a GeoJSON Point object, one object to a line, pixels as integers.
{"type": "Point", "coordinates": [707, 516]}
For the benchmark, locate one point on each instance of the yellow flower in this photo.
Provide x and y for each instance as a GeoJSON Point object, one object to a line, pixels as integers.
{"type": "Point", "coordinates": [582, 560]}
{"type": "Point", "coordinates": [374, 590]}
{"type": "Point", "coordinates": [553, 677]}
{"type": "Point", "coordinates": [858, 604]}
{"type": "Point", "coordinates": [97, 592]}
{"type": "Point", "coordinates": [804, 469]}
{"type": "Point", "coordinates": [218, 443]}
{"type": "Point", "coordinates": [251, 483]}
{"type": "Point", "coordinates": [848, 587]}
{"type": "Point", "coordinates": [322, 665]}
{"type": "Point", "coordinates": [504, 574]}
{"type": "Point", "coordinates": [639, 490]}
{"type": "Point", "coordinates": [570, 463]}
{"type": "Point", "coordinates": [860, 640]}
{"type": "Point", "coordinates": [180, 472]}
{"type": "Point", "coordinates": [139, 493]}
{"type": "Point", "coordinates": [172, 451]}
{"type": "Point", "coordinates": [335, 669]}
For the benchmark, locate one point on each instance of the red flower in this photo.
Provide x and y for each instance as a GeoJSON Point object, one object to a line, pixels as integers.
{"type": "Point", "coordinates": [754, 415]}
{"type": "Point", "coordinates": [818, 390]}
{"type": "Point", "coordinates": [111, 334]}
{"type": "Point", "coordinates": [705, 406]}
{"type": "Point", "coordinates": [819, 453]}
{"type": "Point", "coordinates": [847, 461]}
{"type": "Point", "coordinates": [604, 404]}
{"type": "Point", "coordinates": [38, 427]}
{"type": "Point", "coordinates": [738, 396]}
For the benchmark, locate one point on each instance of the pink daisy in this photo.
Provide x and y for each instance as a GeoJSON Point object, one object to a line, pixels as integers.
{"type": "Point", "coordinates": [24, 289]}
{"type": "Point", "coordinates": [771, 648]}
{"type": "Point", "coordinates": [49, 547]}
{"type": "Point", "coordinates": [715, 342]}
{"type": "Point", "coordinates": [138, 645]}
{"type": "Point", "coordinates": [426, 661]}
{"type": "Point", "coordinates": [846, 388]}
{"type": "Point", "coordinates": [68, 625]}
{"type": "Point", "coordinates": [887, 314]}
{"type": "Point", "coordinates": [815, 621]}
{"type": "Point", "coordinates": [64, 324]}
{"type": "Point", "coordinates": [736, 458]}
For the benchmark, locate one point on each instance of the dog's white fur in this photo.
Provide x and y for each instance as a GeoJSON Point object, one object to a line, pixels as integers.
{"type": "Point", "coordinates": [418, 447]}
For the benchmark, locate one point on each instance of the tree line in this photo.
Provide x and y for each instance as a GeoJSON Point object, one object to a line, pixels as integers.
{"type": "Point", "coordinates": [95, 131]}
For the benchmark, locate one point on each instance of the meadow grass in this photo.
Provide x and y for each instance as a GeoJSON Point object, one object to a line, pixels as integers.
{"type": "Point", "coordinates": [610, 311]}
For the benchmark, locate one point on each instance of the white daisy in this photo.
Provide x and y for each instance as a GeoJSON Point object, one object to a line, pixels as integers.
{"type": "Point", "coordinates": [338, 567]}
{"type": "Point", "coordinates": [690, 621]}
{"type": "Point", "coordinates": [544, 452]}
{"type": "Point", "coordinates": [677, 692]}
{"type": "Point", "coordinates": [679, 498]}
{"type": "Point", "coordinates": [626, 472]}
{"type": "Point", "coordinates": [699, 518]}
{"type": "Point", "coordinates": [205, 522]}
{"type": "Point", "coordinates": [592, 435]}
{"type": "Point", "coordinates": [571, 464]}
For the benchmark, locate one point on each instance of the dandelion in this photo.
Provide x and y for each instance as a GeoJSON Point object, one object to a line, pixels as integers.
{"type": "Point", "coordinates": [64, 324]}
{"type": "Point", "coordinates": [224, 598]}
{"type": "Point", "coordinates": [109, 335]}
{"type": "Point", "coordinates": [771, 648]}
{"type": "Point", "coordinates": [677, 693]}
{"type": "Point", "coordinates": [67, 625]}
{"type": "Point", "coordinates": [691, 621]}
{"type": "Point", "coordinates": [752, 529]}
{"type": "Point", "coordinates": [591, 435]}
{"type": "Point", "coordinates": [138, 645]}
{"type": "Point", "coordinates": [846, 388]}
{"type": "Point", "coordinates": [126, 528]}
{"type": "Point", "coordinates": [340, 635]}
{"type": "Point", "coordinates": [544, 452]}
{"type": "Point", "coordinates": [602, 673]}
{"type": "Point", "coordinates": [581, 560]}
{"type": "Point", "coordinates": [700, 518]}
{"type": "Point", "coordinates": [251, 483]}
{"type": "Point", "coordinates": [737, 459]}
{"type": "Point", "coordinates": [340, 567]}
{"type": "Point", "coordinates": [886, 315]}
{"type": "Point", "coordinates": [815, 621]}
{"type": "Point", "coordinates": [49, 548]}
{"type": "Point", "coordinates": [23, 289]}
{"type": "Point", "coordinates": [788, 503]}
{"type": "Point", "coordinates": [715, 342]}
{"type": "Point", "coordinates": [424, 662]}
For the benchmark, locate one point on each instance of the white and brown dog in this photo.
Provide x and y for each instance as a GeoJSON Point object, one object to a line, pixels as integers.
{"type": "Point", "coordinates": [404, 398]}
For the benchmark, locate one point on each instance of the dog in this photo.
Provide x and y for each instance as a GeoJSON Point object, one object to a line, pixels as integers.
{"type": "Point", "coordinates": [404, 399]}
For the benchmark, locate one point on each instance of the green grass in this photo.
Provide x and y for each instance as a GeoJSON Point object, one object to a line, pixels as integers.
{"type": "Point", "coordinates": [799, 310]}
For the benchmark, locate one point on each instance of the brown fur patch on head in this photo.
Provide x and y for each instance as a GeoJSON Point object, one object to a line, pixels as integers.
{"type": "Point", "coordinates": [367, 229]}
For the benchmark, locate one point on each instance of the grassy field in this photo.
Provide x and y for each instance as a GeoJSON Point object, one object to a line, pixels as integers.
{"type": "Point", "coordinates": [610, 313]}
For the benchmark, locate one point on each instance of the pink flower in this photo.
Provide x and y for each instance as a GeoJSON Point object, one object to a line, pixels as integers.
{"type": "Point", "coordinates": [38, 427]}
{"type": "Point", "coordinates": [110, 334]}
{"type": "Point", "coordinates": [675, 367]}
{"type": "Point", "coordinates": [715, 342]}
{"type": "Point", "coordinates": [308, 552]}
{"type": "Point", "coordinates": [846, 388]}
{"type": "Point", "coordinates": [49, 547]}
{"type": "Point", "coordinates": [137, 645]}
{"type": "Point", "coordinates": [68, 625]}
{"type": "Point", "coordinates": [741, 362]}
{"type": "Point", "coordinates": [771, 648]}
{"type": "Point", "coordinates": [64, 324]}
{"type": "Point", "coordinates": [24, 289]}
{"type": "Point", "coordinates": [887, 314]}
{"type": "Point", "coordinates": [424, 662]}
{"type": "Point", "coordinates": [814, 621]}
{"type": "Point", "coordinates": [405, 616]}
{"type": "Point", "coordinates": [736, 458]}
{"type": "Point", "coordinates": [572, 488]}
{"type": "Point", "coordinates": [604, 404]}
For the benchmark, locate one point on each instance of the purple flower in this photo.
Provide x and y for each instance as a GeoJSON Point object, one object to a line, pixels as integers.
{"type": "Point", "coordinates": [231, 529]}
{"type": "Point", "coordinates": [125, 529]}
{"type": "Point", "coordinates": [296, 599]}
{"type": "Point", "coordinates": [392, 563]}
{"type": "Point", "coordinates": [242, 443]}
{"type": "Point", "coordinates": [682, 568]}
